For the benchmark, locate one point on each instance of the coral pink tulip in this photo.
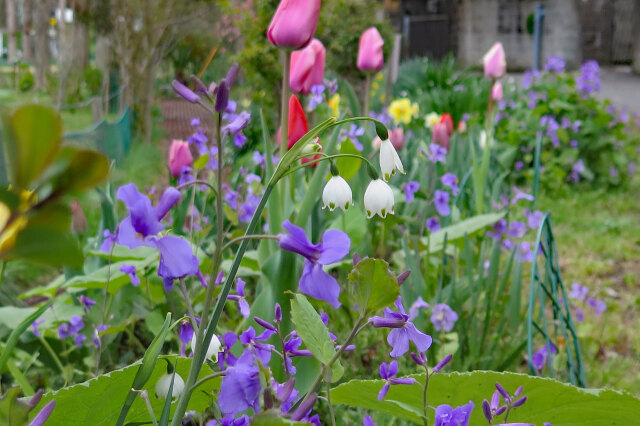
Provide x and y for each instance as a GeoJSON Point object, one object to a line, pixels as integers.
{"type": "Point", "coordinates": [496, 91]}
{"type": "Point", "coordinates": [307, 67]}
{"type": "Point", "coordinates": [396, 136]}
{"type": "Point", "coordinates": [179, 155]}
{"type": "Point", "coordinates": [448, 120]}
{"type": "Point", "coordinates": [370, 57]}
{"type": "Point", "coordinates": [440, 135]}
{"type": "Point", "coordinates": [495, 64]}
{"type": "Point", "coordinates": [294, 23]}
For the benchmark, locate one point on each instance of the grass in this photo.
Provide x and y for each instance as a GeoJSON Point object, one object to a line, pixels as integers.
{"type": "Point", "coordinates": [598, 238]}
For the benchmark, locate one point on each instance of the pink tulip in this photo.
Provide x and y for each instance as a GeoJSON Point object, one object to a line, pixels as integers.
{"type": "Point", "coordinates": [294, 23]}
{"type": "Point", "coordinates": [370, 56]}
{"type": "Point", "coordinates": [440, 135]}
{"type": "Point", "coordinates": [495, 64]}
{"type": "Point", "coordinates": [496, 91]}
{"type": "Point", "coordinates": [179, 155]}
{"type": "Point", "coordinates": [307, 67]}
{"type": "Point", "coordinates": [396, 136]}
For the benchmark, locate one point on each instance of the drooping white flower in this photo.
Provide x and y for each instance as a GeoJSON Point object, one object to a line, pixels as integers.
{"type": "Point", "coordinates": [337, 193]}
{"type": "Point", "coordinates": [389, 160]}
{"type": "Point", "coordinates": [162, 386]}
{"type": "Point", "coordinates": [212, 351]}
{"type": "Point", "coordinates": [378, 199]}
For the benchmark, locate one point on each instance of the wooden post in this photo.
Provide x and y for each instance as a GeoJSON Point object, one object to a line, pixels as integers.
{"type": "Point", "coordinates": [96, 109]}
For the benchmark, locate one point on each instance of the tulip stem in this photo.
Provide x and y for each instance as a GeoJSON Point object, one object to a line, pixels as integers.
{"type": "Point", "coordinates": [326, 157]}
{"type": "Point", "coordinates": [284, 110]}
{"type": "Point", "coordinates": [367, 89]}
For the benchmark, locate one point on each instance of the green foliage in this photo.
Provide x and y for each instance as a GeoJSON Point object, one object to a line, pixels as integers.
{"type": "Point", "coordinates": [374, 286]}
{"type": "Point", "coordinates": [26, 82]}
{"type": "Point", "coordinates": [13, 411]}
{"type": "Point", "coordinates": [604, 138]}
{"type": "Point", "coordinates": [314, 333]}
{"type": "Point", "coordinates": [98, 401]}
{"type": "Point", "coordinates": [548, 400]}
{"type": "Point", "coordinates": [92, 80]}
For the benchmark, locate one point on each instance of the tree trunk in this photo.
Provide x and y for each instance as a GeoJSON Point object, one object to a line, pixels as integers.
{"type": "Point", "coordinates": [42, 53]}
{"type": "Point", "coordinates": [64, 51]}
{"type": "Point", "coordinates": [636, 40]}
{"type": "Point", "coordinates": [27, 31]}
{"type": "Point", "coordinates": [12, 45]}
{"type": "Point", "coordinates": [103, 63]}
{"type": "Point", "coordinates": [80, 36]}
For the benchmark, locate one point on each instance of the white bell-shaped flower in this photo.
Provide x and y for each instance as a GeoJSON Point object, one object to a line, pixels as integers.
{"type": "Point", "coordinates": [214, 347]}
{"type": "Point", "coordinates": [337, 193]}
{"type": "Point", "coordinates": [162, 386]}
{"type": "Point", "coordinates": [389, 160]}
{"type": "Point", "coordinates": [378, 199]}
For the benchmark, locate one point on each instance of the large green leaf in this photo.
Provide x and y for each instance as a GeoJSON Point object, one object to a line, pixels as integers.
{"type": "Point", "coordinates": [348, 166]}
{"type": "Point", "coordinates": [459, 230]}
{"type": "Point", "coordinates": [548, 400]}
{"type": "Point", "coordinates": [78, 169]}
{"type": "Point", "coordinates": [47, 245]}
{"type": "Point", "coordinates": [314, 333]}
{"type": "Point", "coordinates": [99, 400]}
{"type": "Point", "coordinates": [35, 133]}
{"type": "Point", "coordinates": [374, 285]}
{"type": "Point", "coordinates": [17, 332]}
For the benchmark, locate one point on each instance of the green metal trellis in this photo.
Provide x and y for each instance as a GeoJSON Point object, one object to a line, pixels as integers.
{"type": "Point", "coordinates": [549, 313]}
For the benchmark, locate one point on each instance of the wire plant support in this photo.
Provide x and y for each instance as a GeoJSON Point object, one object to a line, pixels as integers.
{"type": "Point", "coordinates": [549, 314]}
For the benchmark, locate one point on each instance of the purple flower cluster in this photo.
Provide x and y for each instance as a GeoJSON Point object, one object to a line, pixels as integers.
{"type": "Point", "coordinates": [578, 294]}
{"type": "Point", "coordinates": [589, 79]}
{"type": "Point", "coordinates": [235, 123]}
{"type": "Point", "coordinates": [555, 63]}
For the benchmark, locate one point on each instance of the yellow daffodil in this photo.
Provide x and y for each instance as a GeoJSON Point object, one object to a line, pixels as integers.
{"type": "Point", "coordinates": [403, 111]}
{"type": "Point", "coordinates": [334, 103]}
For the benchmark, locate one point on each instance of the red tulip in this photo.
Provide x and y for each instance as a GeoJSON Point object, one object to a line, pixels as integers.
{"type": "Point", "coordinates": [298, 126]}
{"type": "Point", "coordinates": [495, 64]}
{"type": "Point", "coordinates": [307, 67]}
{"type": "Point", "coordinates": [179, 155]}
{"type": "Point", "coordinates": [294, 23]}
{"type": "Point", "coordinates": [448, 120]}
{"type": "Point", "coordinates": [370, 57]}
{"type": "Point", "coordinates": [440, 135]}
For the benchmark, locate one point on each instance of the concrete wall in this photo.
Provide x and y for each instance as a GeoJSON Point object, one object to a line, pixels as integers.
{"type": "Point", "coordinates": [483, 22]}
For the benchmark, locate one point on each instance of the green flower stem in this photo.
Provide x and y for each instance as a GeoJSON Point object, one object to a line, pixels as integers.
{"type": "Point", "coordinates": [198, 182]}
{"type": "Point", "coordinates": [284, 110]}
{"type": "Point", "coordinates": [367, 89]}
{"type": "Point", "coordinates": [187, 300]}
{"type": "Point", "coordinates": [144, 395]}
{"type": "Point", "coordinates": [209, 377]}
{"type": "Point", "coordinates": [333, 415]}
{"type": "Point", "coordinates": [424, 395]}
{"type": "Point", "coordinates": [329, 157]}
{"type": "Point", "coordinates": [199, 355]}
{"type": "Point", "coordinates": [55, 358]}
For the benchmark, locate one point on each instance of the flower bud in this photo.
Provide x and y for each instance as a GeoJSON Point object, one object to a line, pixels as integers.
{"type": "Point", "coordinates": [212, 351]}
{"type": "Point", "coordinates": [78, 219]}
{"type": "Point", "coordinates": [200, 86]}
{"type": "Point", "coordinates": [232, 74]}
{"type": "Point", "coordinates": [417, 359]}
{"type": "Point", "coordinates": [503, 392]}
{"type": "Point", "coordinates": [403, 276]}
{"type": "Point", "coordinates": [486, 410]}
{"type": "Point", "coordinates": [278, 313]}
{"type": "Point", "coordinates": [495, 64]}
{"type": "Point", "coordinates": [222, 97]}
{"type": "Point", "coordinates": [520, 401]}
{"type": "Point", "coordinates": [496, 91]}
{"type": "Point", "coordinates": [179, 156]}
{"type": "Point", "coordinates": [185, 92]}
{"type": "Point", "coordinates": [382, 322]}
{"type": "Point", "coordinates": [304, 407]}
{"type": "Point", "coordinates": [294, 23]}
{"type": "Point", "coordinates": [265, 324]}
{"type": "Point", "coordinates": [439, 366]}
{"type": "Point", "coordinates": [370, 56]}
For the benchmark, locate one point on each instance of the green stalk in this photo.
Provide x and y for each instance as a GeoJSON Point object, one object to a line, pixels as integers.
{"type": "Point", "coordinates": [284, 110]}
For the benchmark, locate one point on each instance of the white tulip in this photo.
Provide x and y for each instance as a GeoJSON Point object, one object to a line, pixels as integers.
{"type": "Point", "coordinates": [337, 193]}
{"type": "Point", "coordinates": [389, 160]}
{"type": "Point", "coordinates": [214, 347]}
{"type": "Point", "coordinates": [162, 387]}
{"type": "Point", "coordinates": [378, 199]}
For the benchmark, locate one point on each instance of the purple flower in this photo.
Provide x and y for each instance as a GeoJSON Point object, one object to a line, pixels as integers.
{"type": "Point", "coordinates": [367, 421]}
{"type": "Point", "coordinates": [316, 96]}
{"type": "Point", "coordinates": [131, 271]}
{"type": "Point", "coordinates": [443, 317]}
{"type": "Point", "coordinates": [539, 359]}
{"type": "Point", "coordinates": [534, 219]}
{"type": "Point", "coordinates": [520, 195]}
{"type": "Point", "coordinates": [314, 281]}
{"type": "Point", "coordinates": [76, 324]}
{"type": "Point", "coordinates": [555, 63]}
{"type": "Point", "coordinates": [176, 260]}
{"type": "Point", "coordinates": [237, 124]}
{"type": "Point", "coordinates": [108, 240]}
{"type": "Point", "coordinates": [517, 229]}
{"type": "Point", "coordinates": [450, 180]}
{"type": "Point", "coordinates": [240, 387]}
{"type": "Point", "coordinates": [226, 356]}
{"type": "Point", "coordinates": [185, 333]}
{"type": "Point", "coordinates": [410, 189]}
{"type": "Point", "coordinates": [79, 339]}
{"type": "Point", "coordinates": [528, 77]}
{"type": "Point", "coordinates": [598, 306]}
{"type": "Point", "coordinates": [433, 224]}
{"type": "Point", "coordinates": [579, 313]}
{"type": "Point", "coordinates": [589, 79]}
{"type": "Point", "coordinates": [402, 331]}
{"type": "Point", "coordinates": [245, 310]}
{"type": "Point", "coordinates": [577, 169]}
{"type": "Point", "coordinates": [387, 373]}
{"type": "Point", "coordinates": [44, 414]}
{"type": "Point", "coordinates": [437, 153]}
{"type": "Point", "coordinates": [441, 201]}
{"type": "Point", "coordinates": [518, 166]}
{"type": "Point", "coordinates": [231, 196]}
{"type": "Point", "coordinates": [578, 291]}
{"type": "Point", "coordinates": [526, 253]}
{"type": "Point", "coordinates": [262, 350]}
{"type": "Point", "coordinates": [34, 326]}
{"type": "Point", "coordinates": [418, 304]}
{"type": "Point", "coordinates": [499, 228]}
{"type": "Point", "coordinates": [448, 416]}
{"type": "Point", "coordinates": [86, 302]}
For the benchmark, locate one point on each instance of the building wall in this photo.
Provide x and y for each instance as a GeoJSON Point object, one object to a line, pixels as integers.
{"type": "Point", "coordinates": [483, 22]}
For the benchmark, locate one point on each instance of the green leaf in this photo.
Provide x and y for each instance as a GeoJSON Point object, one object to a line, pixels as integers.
{"type": "Point", "coordinates": [457, 232]}
{"type": "Point", "coordinates": [77, 169]}
{"type": "Point", "coordinates": [548, 400]}
{"type": "Point", "coordinates": [348, 166]}
{"type": "Point", "coordinates": [146, 368]}
{"type": "Point", "coordinates": [314, 333]}
{"type": "Point", "coordinates": [374, 285]}
{"type": "Point", "coordinates": [47, 245]}
{"type": "Point", "coordinates": [17, 332]}
{"type": "Point", "coordinates": [98, 401]}
{"type": "Point", "coordinates": [272, 418]}
{"type": "Point", "coordinates": [35, 134]}
{"type": "Point", "coordinates": [12, 411]}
